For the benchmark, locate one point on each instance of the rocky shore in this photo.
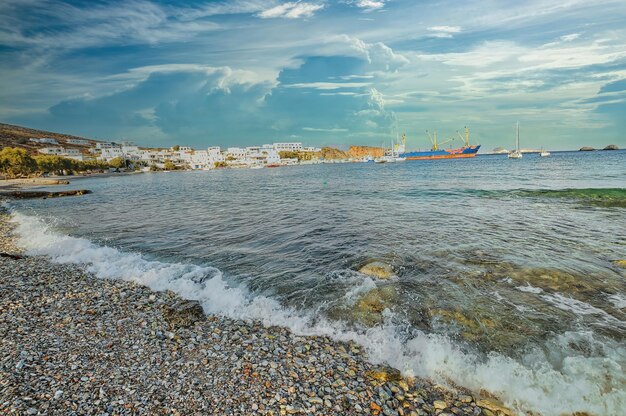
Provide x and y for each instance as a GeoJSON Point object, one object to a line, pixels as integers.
{"type": "Point", "coordinates": [73, 344]}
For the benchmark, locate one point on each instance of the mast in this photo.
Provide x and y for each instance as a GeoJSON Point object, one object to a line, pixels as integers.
{"type": "Point", "coordinates": [517, 139]}
{"type": "Point", "coordinates": [435, 142]}
{"type": "Point", "coordinates": [466, 137]}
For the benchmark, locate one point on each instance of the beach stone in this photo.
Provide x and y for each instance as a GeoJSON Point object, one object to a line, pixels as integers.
{"type": "Point", "coordinates": [439, 404]}
{"type": "Point", "coordinates": [384, 374]}
{"type": "Point", "coordinates": [378, 270]}
{"type": "Point", "coordinates": [495, 407]}
{"type": "Point", "coordinates": [183, 313]}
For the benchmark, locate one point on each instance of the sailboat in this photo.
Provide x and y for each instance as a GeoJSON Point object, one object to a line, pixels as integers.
{"type": "Point", "coordinates": [516, 154]}
{"type": "Point", "coordinates": [544, 153]}
{"type": "Point", "coordinates": [399, 148]}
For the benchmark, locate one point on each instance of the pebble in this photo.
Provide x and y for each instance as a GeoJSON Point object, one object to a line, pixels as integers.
{"type": "Point", "coordinates": [74, 344]}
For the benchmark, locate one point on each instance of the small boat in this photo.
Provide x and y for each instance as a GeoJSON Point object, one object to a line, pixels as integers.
{"type": "Point", "coordinates": [516, 154]}
{"type": "Point", "coordinates": [385, 159]}
{"type": "Point", "coordinates": [273, 166]}
{"type": "Point", "coordinates": [544, 153]}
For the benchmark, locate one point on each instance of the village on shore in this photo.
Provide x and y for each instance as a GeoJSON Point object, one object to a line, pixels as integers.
{"type": "Point", "coordinates": [185, 157]}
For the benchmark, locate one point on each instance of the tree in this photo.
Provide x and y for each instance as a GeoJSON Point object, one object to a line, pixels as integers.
{"type": "Point", "coordinates": [169, 165]}
{"type": "Point", "coordinates": [15, 162]}
{"type": "Point", "coordinates": [51, 164]}
{"type": "Point", "coordinates": [118, 162]}
{"type": "Point", "coordinates": [176, 148]}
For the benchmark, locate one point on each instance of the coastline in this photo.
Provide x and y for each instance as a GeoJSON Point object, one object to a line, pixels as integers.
{"type": "Point", "coordinates": [76, 343]}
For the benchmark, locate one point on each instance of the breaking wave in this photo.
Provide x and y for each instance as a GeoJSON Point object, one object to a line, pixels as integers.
{"type": "Point", "coordinates": [554, 379]}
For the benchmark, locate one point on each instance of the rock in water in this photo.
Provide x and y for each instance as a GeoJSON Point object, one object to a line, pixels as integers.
{"type": "Point", "coordinates": [620, 263]}
{"type": "Point", "coordinates": [611, 147]}
{"type": "Point", "coordinates": [183, 314]}
{"type": "Point", "coordinates": [586, 149]}
{"type": "Point", "coordinates": [377, 269]}
{"type": "Point", "coordinates": [495, 407]}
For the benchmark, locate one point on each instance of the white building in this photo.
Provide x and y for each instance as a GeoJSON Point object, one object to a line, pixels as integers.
{"type": "Point", "coordinates": [311, 149]}
{"type": "Point", "coordinates": [236, 152]}
{"type": "Point", "coordinates": [63, 152]}
{"type": "Point", "coordinates": [110, 153]}
{"type": "Point", "coordinates": [288, 147]}
{"type": "Point", "coordinates": [56, 151]}
{"type": "Point", "coordinates": [105, 145]}
{"type": "Point", "coordinates": [45, 140]}
{"type": "Point", "coordinates": [79, 142]}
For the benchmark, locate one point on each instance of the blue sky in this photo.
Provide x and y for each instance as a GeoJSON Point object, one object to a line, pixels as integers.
{"type": "Point", "coordinates": [245, 72]}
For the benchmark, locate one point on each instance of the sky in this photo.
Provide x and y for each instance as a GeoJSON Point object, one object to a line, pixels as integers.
{"type": "Point", "coordinates": [321, 72]}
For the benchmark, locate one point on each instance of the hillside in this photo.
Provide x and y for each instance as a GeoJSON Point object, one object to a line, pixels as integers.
{"type": "Point", "coordinates": [328, 153]}
{"type": "Point", "coordinates": [362, 151]}
{"type": "Point", "coordinates": [17, 136]}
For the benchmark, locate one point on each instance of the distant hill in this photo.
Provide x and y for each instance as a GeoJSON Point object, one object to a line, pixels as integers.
{"type": "Point", "coordinates": [328, 153]}
{"type": "Point", "coordinates": [17, 136]}
{"type": "Point", "coordinates": [362, 151]}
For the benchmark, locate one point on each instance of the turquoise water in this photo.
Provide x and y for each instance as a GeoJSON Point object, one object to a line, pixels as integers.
{"type": "Point", "coordinates": [504, 269]}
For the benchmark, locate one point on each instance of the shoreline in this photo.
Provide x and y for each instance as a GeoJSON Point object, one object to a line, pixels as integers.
{"type": "Point", "coordinates": [76, 343]}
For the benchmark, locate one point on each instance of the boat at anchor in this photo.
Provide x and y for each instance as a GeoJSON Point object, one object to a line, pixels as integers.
{"type": "Point", "coordinates": [466, 151]}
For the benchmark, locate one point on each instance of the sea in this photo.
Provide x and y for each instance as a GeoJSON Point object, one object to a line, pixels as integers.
{"type": "Point", "coordinates": [506, 273]}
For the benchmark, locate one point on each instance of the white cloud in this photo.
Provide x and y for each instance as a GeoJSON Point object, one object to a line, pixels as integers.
{"type": "Point", "coordinates": [331, 130]}
{"type": "Point", "coordinates": [328, 85]}
{"type": "Point", "coordinates": [379, 55]}
{"type": "Point", "coordinates": [444, 31]}
{"type": "Point", "coordinates": [571, 37]}
{"type": "Point", "coordinates": [369, 5]}
{"type": "Point", "coordinates": [291, 10]}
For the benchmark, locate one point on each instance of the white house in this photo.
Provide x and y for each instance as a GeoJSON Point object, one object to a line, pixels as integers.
{"type": "Point", "coordinates": [236, 152]}
{"type": "Point", "coordinates": [45, 140]}
{"type": "Point", "coordinates": [111, 153]}
{"type": "Point", "coordinates": [79, 142]}
{"type": "Point", "coordinates": [105, 145]}
{"type": "Point", "coordinates": [288, 147]}
{"type": "Point", "coordinates": [56, 151]}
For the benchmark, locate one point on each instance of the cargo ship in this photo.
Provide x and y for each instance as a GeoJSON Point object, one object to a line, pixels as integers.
{"type": "Point", "coordinates": [435, 152]}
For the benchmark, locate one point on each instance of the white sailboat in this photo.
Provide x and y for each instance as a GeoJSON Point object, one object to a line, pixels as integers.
{"type": "Point", "coordinates": [516, 154]}
{"type": "Point", "coordinates": [398, 149]}
{"type": "Point", "coordinates": [544, 153]}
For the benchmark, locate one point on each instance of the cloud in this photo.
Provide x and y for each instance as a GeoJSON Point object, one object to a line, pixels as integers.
{"type": "Point", "coordinates": [291, 10]}
{"type": "Point", "coordinates": [328, 85]}
{"type": "Point", "coordinates": [202, 105]}
{"type": "Point", "coordinates": [332, 130]}
{"type": "Point", "coordinates": [570, 37]}
{"type": "Point", "coordinates": [444, 31]}
{"type": "Point", "coordinates": [380, 56]}
{"type": "Point", "coordinates": [370, 5]}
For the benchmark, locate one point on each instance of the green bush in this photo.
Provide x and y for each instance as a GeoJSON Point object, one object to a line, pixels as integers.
{"type": "Point", "coordinates": [16, 162]}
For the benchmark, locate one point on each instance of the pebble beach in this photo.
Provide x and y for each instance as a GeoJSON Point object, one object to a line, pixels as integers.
{"type": "Point", "coordinates": [74, 344]}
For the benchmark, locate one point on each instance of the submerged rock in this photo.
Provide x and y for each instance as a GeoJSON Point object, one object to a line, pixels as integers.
{"type": "Point", "coordinates": [495, 407]}
{"type": "Point", "coordinates": [183, 313]}
{"type": "Point", "coordinates": [369, 308]}
{"type": "Point", "coordinates": [43, 194]}
{"type": "Point", "coordinates": [620, 263]}
{"type": "Point", "coordinates": [377, 269]}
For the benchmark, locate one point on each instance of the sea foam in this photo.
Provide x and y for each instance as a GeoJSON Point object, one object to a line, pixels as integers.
{"type": "Point", "coordinates": [559, 381]}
